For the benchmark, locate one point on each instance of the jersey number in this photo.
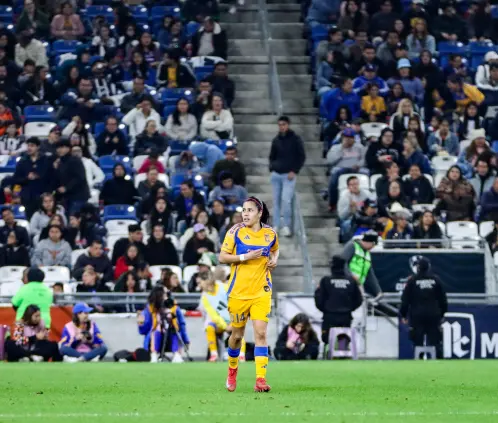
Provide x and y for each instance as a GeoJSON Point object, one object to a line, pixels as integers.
{"type": "Point", "coordinates": [221, 306]}
{"type": "Point", "coordinates": [237, 318]}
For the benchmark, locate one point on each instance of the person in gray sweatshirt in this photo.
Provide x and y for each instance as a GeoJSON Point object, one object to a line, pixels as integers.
{"type": "Point", "coordinates": [233, 195]}
{"type": "Point", "coordinates": [350, 201]}
{"type": "Point", "coordinates": [53, 251]}
{"type": "Point", "coordinates": [42, 216]}
{"type": "Point", "coordinates": [343, 158]}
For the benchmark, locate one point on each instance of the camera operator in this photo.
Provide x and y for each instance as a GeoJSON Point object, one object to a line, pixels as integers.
{"type": "Point", "coordinates": [81, 338]}
{"type": "Point", "coordinates": [356, 254]}
{"type": "Point", "coordinates": [424, 303]}
{"type": "Point", "coordinates": [337, 297]}
{"type": "Point", "coordinates": [163, 325]}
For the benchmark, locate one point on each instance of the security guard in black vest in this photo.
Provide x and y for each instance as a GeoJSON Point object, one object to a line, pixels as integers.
{"type": "Point", "coordinates": [337, 297]}
{"type": "Point", "coordinates": [423, 305]}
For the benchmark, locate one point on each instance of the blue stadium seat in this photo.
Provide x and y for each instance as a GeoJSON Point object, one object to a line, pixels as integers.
{"type": "Point", "coordinates": [192, 28]}
{"type": "Point", "coordinates": [100, 126]}
{"type": "Point", "coordinates": [119, 211]}
{"type": "Point", "coordinates": [177, 179]}
{"type": "Point", "coordinates": [10, 165]}
{"type": "Point", "coordinates": [202, 71]}
{"type": "Point", "coordinates": [105, 11]}
{"type": "Point", "coordinates": [319, 33]}
{"type": "Point", "coordinates": [140, 14]}
{"type": "Point", "coordinates": [494, 146]}
{"type": "Point", "coordinates": [494, 12]}
{"type": "Point", "coordinates": [477, 52]}
{"type": "Point", "coordinates": [6, 14]}
{"type": "Point", "coordinates": [175, 94]}
{"type": "Point", "coordinates": [168, 110]}
{"type": "Point", "coordinates": [107, 163]}
{"type": "Point", "coordinates": [39, 114]}
{"type": "Point", "coordinates": [178, 146]}
{"type": "Point", "coordinates": [65, 46]}
{"type": "Point", "coordinates": [157, 13]}
{"type": "Point", "coordinates": [19, 211]}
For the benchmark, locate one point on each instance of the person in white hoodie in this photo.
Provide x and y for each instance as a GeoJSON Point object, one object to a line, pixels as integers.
{"type": "Point", "coordinates": [217, 122]}
{"type": "Point", "coordinates": [483, 71]}
{"type": "Point", "coordinates": [93, 172]}
{"type": "Point", "coordinates": [137, 118]}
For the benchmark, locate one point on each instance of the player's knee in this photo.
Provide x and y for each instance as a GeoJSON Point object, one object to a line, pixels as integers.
{"type": "Point", "coordinates": [236, 337]}
{"type": "Point", "coordinates": [260, 336]}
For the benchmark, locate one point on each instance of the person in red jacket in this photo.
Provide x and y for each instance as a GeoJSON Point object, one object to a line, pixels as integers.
{"type": "Point", "coordinates": [152, 161]}
{"type": "Point", "coordinates": [127, 262]}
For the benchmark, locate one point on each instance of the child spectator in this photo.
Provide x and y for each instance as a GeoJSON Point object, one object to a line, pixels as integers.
{"type": "Point", "coordinates": [11, 143]}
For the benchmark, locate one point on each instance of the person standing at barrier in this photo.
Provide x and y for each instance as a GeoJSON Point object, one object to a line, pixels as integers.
{"type": "Point", "coordinates": [358, 262]}
{"type": "Point", "coordinates": [337, 297]}
{"type": "Point", "coordinates": [423, 305]}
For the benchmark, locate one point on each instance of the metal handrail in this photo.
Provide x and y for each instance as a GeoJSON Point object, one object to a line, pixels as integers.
{"type": "Point", "coordinates": [301, 241]}
{"type": "Point", "coordinates": [273, 77]}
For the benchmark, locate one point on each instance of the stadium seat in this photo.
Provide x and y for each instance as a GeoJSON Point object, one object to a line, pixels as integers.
{"type": "Point", "coordinates": [174, 94]}
{"type": "Point", "coordinates": [118, 226]}
{"type": "Point", "coordinates": [202, 72]}
{"type": "Point", "coordinates": [427, 176]}
{"type": "Point", "coordinates": [38, 129]}
{"type": "Point", "coordinates": [143, 176]}
{"type": "Point", "coordinates": [495, 259]}
{"type": "Point", "coordinates": [65, 46]}
{"type": "Point", "coordinates": [442, 226]}
{"type": "Point", "coordinates": [94, 197]}
{"type": "Point", "coordinates": [5, 175]}
{"type": "Point", "coordinates": [157, 13]}
{"type": "Point", "coordinates": [6, 14]}
{"type": "Point", "coordinates": [56, 274]}
{"type": "Point", "coordinates": [39, 114]}
{"type": "Point", "coordinates": [168, 110]}
{"type": "Point", "coordinates": [447, 48]}
{"type": "Point", "coordinates": [443, 163]}
{"type": "Point", "coordinates": [466, 243]}
{"type": "Point", "coordinates": [120, 211]}
{"type": "Point", "coordinates": [75, 255]}
{"type": "Point", "coordinates": [422, 207]}
{"type": "Point", "coordinates": [19, 212]}
{"type": "Point", "coordinates": [8, 164]}
{"type": "Point", "coordinates": [188, 272]}
{"type": "Point", "coordinates": [462, 229]}
{"type": "Point", "coordinates": [364, 181]}
{"type": "Point", "coordinates": [105, 11]}
{"type": "Point", "coordinates": [464, 144]}
{"type": "Point", "coordinates": [11, 273]}
{"type": "Point", "coordinates": [174, 240]}
{"type": "Point", "coordinates": [140, 14]}
{"type": "Point", "coordinates": [177, 146]}
{"type": "Point", "coordinates": [107, 163]}
{"type": "Point", "coordinates": [373, 129]}
{"type": "Point", "coordinates": [221, 144]}
{"type": "Point", "coordinates": [485, 228]}
{"type": "Point", "coordinates": [438, 177]}
{"type": "Point", "coordinates": [373, 181]}
{"type": "Point", "coordinates": [111, 240]}
{"type": "Point", "coordinates": [9, 289]}
{"type": "Point", "coordinates": [191, 28]}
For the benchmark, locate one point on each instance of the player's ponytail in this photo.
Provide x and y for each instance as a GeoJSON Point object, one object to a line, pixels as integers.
{"type": "Point", "coordinates": [261, 206]}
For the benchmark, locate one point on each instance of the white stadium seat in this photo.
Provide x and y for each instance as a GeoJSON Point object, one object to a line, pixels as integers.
{"type": "Point", "coordinates": [75, 255]}
{"type": "Point", "coordinates": [364, 180]}
{"type": "Point", "coordinates": [495, 258]}
{"type": "Point", "coordinates": [373, 129]}
{"type": "Point", "coordinates": [438, 178]}
{"type": "Point", "coordinates": [462, 229]}
{"type": "Point", "coordinates": [56, 274]}
{"type": "Point", "coordinates": [118, 226]}
{"type": "Point", "coordinates": [373, 181]}
{"type": "Point", "coordinates": [156, 271]}
{"type": "Point", "coordinates": [442, 226]}
{"type": "Point", "coordinates": [4, 175]}
{"type": "Point", "coordinates": [174, 240]}
{"type": "Point", "coordinates": [21, 222]}
{"type": "Point", "coordinates": [464, 144]}
{"type": "Point", "coordinates": [427, 176]}
{"type": "Point", "coordinates": [94, 197]}
{"type": "Point", "coordinates": [38, 129]}
{"type": "Point", "coordinates": [422, 207]}
{"type": "Point", "coordinates": [112, 239]}
{"type": "Point", "coordinates": [10, 288]}
{"type": "Point", "coordinates": [485, 228]}
{"type": "Point", "coordinates": [138, 161]}
{"type": "Point", "coordinates": [443, 163]}
{"type": "Point", "coordinates": [145, 227]}
{"type": "Point", "coordinates": [188, 272]}
{"type": "Point", "coordinates": [11, 273]}
{"type": "Point", "coordinates": [143, 176]}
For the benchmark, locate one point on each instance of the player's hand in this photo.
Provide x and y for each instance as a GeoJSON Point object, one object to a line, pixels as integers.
{"type": "Point", "coordinates": [290, 345]}
{"type": "Point", "coordinates": [254, 254]}
{"type": "Point", "coordinates": [272, 263]}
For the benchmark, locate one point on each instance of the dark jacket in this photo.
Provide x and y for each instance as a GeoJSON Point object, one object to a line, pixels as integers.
{"type": "Point", "coordinates": [118, 191]}
{"type": "Point", "coordinates": [100, 264]}
{"type": "Point", "coordinates": [14, 256]}
{"type": "Point", "coordinates": [309, 351]}
{"type": "Point", "coordinates": [419, 190]}
{"type": "Point", "coordinates": [161, 253]}
{"type": "Point", "coordinates": [382, 186]}
{"type": "Point", "coordinates": [71, 175]}
{"type": "Point", "coordinates": [184, 76]}
{"type": "Point", "coordinates": [423, 298]}
{"type": "Point", "coordinates": [450, 25]}
{"type": "Point", "coordinates": [182, 209]}
{"type": "Point", "coordinates": [235, 167]}
{"type": "Point", "coordinates": [377, 149]}
{"type": "Point", "coordinates": [144, 142]}
{"type": "Point", "coordinates": [191, 9]}
{"type": "Point", "coordinates": [21, 235]}
{"type": "Point", "coordinates": [287, 153]}
{"type": "Point", "coordinates": [120, 249]}
{"type": "Point", "coordinates": [112, 143]}
{"type": "Point", "coordinates": [32, 189]}
{"type": "Point", "coordinates": [144, 189]}
{"type": "Point", "coordinates": [190, 254]}
{"type": "Point", "coordinates": [224, 86]}
{"type": "Point", "coordinates": [489, 205]}
{"type": "Point", "coordinates": [434, 232]}
{"type": "Point", "coordinates": [220, 43]}
{"type": "Point", "coordinates": [32, 93]}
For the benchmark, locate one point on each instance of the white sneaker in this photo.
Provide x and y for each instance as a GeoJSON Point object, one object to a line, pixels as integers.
{"type": "Point", "coordinates": [24, 360]}
{"type": "Point", "coordinates": [232, 10]}
{"type": "Point", "coordinates": [241, 2]}
{"type": "Point", "coordinates": [68, 359]}
{"type": "Point", "coordinates": [225, 356]}
{"type": "Point", "coordinates": [242, 358]}
{"type": "Point", "coordinates": [154, 357]}
{"type": "Point", "coordinates": [177, 358]}
{"type": "Point", "coordinates": [36, 358]}
{"type": "Point", "coordinates": [286, 231]}
{"type": "Point", "coordinates": [122, 360]}
{"type": "Point", "coordinates": [95, 359]}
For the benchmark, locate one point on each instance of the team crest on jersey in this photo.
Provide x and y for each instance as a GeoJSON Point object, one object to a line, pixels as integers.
{"type": "Point", "coordinates": [267, 288]}
{"type": "Point", "coordinates": [267, 238]}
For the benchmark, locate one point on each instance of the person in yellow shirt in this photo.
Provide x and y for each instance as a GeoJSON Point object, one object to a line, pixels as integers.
{"type": "Point", "coordinates": [373, 106]}
{"type": "Point", "coordinates": [251, 248]}
{"type": "Point", "coordinates": [214, 302]}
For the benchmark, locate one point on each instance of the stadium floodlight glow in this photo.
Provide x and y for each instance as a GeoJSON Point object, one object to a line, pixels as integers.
{"type": "Point", "coordinates": [50, 109]}
{"type": "Point", "coordinates": [238, 209]}
{"type": "Point", "coordinates": [87, 126]}
{"type": "Point", "coordinates": [127, 178]}
{"type": "Point", "coordinates": [188, 92]}
{"type": "Point", "coordinates": [22, 209]}
{"type": "Point", "coordinates": [176, 9]}
{"type": "Point", "coordinates": [229, 143]}
{"type": "Point", "coordinates": [131, 209]}
{"type": "Point", "coordinates": [122, 126]}
{"type": "Point", "coordinates": [126, 159]}
{"type": "Point", "coordinates": [153, 92]}
{"type": "Point", "coordinates": [198, 178]}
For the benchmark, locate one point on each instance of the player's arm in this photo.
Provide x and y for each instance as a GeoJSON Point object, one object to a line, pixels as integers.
{"type": "Point", "coordinates": [274, 253]}
{"type": "Point", "coordinates": [227, 254]}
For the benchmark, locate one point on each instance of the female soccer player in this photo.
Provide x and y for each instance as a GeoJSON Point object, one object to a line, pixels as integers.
{"type": "Point", "coordinates": [251, 248]}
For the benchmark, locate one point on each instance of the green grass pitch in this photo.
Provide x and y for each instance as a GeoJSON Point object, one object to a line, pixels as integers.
{"type": "Point", "coordinates": [342, 391]}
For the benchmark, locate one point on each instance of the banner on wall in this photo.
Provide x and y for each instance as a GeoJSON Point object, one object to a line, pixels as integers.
{"type": "Point", "coordinates": [468, 332]}
{"type": "Point", "coordinates": [460, 272]}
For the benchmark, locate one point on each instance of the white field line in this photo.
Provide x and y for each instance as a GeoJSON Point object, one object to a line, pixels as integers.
{"type": "Point", "coordinates": [140, 415]}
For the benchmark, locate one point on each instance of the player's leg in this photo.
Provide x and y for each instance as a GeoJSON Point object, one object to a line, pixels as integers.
{"type": "Point", "coordinates": [238, 311]}
{"type": "Point", "coordinates": [212, 340]}
{"type": "Point", "coordinates": [260, 313]}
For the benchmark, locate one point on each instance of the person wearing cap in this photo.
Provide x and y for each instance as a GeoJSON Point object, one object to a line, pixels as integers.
{"type": "Point", "coordinates": [234, 195]}
{"type": "Point", "coordinates": [468, 157]}
{"type": "Point", "coordinates": [420, 40]}
{"type": "Point", "coordinates": [366, 218]}
{"type": "Point", "coordinates": [412, 85]}
{"type": "Point", "coordinates": [31, 174]}
{"type": "Point", "coordinates": [343, 158]}
{"type": "Point", "coordinates": [401, 230]}
{"type": "Point", "coordinates": [197, 245]}
{"type": "Point", "coordinates": [358, 262]}
{"type": "Point", "coordinates": [449, 26]}
{"type": "Point", "coordinates": [33, 292]}
{"type": "Point", "coordinates": [81, 338]}
{"type": "Point", "coordinates": [423, 305]}
{"type": "Point", "coordinates": [135, 236]}
{"type": "Point", "coordinates": [337, 296]}
{"type": "Point", "coordinates": [461, 94]}
{"type": "Point", "coordinates": [369, 76]}
{"type": "Point", "coordinates": [483, 70]}
{"type": "Point", "coordinates": [205, 264]}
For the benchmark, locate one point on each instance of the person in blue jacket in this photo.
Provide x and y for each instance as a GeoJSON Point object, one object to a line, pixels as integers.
{"type": "Point", "coordinates": [414, 156]}
{"type": "Point", "coordinates": [370, 77]}
{"type": "Point", "coordinates": [207, 154]}
{"type": "Point", "coordinates": [162, 317]}
{"type": "Point", "coordinates": [343, 96]}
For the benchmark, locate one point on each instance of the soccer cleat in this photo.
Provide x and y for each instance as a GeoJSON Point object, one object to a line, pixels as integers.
{"type": "Point", "coordinates": [261, 385]}
{"type": "Point", "coordinates": [213, 358]}
{"type": "Point", "coordinates": [242, 358]}
{"type": "Point", "coordinates": [286, 231]}
{"type": "Point", "coordinates": [232, 379]}
{"type": "Point", "coordinates": [154, 357]}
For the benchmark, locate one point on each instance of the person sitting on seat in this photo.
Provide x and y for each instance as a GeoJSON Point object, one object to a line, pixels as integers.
{"type": "Point", "coordinates": [298, 340]}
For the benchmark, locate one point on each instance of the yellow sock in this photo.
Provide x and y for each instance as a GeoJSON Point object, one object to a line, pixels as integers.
{"type": "Point", "coordinates": [261, 360]}
{"type": "Point", "coordinates": [243, 347]}
{"type": "Point", "coordinates": [211, 338]}
{"type": "Point", "coordinates": [233, 357]}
